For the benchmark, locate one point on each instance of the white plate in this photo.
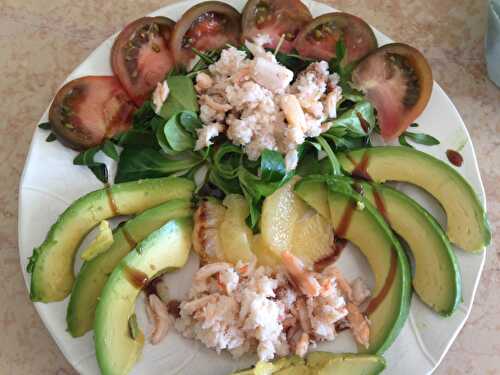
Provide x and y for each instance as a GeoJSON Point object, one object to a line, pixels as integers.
{"type": "Point", "coordinates": [50, 183]}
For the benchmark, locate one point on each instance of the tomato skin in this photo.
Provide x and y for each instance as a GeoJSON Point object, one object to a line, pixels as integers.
{"type": "Point", "coordinates": [318, 39]}
{"type": "Point", "coordinates": [274, 18]}
{"type": "Point", "coordinates": [397, 80]}
{"type": "Point", "coordinates": [208, 25]}
{"type": "Point", "coordinates": [140, 62]}
{"type": "Point", "coordinates": [90, 109]}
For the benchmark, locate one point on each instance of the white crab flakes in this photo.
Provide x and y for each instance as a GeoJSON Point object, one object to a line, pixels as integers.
{"type": "Point", "coordinates": [255, 102]}
{"type": "Point", "coordinates": [160, 95]}
{"type": "Point", "coordinates": [206, 134]}
{"type": "Point", "coordinates": [246, 309]}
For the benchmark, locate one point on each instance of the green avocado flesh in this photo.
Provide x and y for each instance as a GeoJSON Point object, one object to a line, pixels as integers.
{"type": "Point", "coordinates": [467, 222]}
{"type": "Point", "coordinates": [94, 273]}
{"type": "Point", "coordinates": [320, 363]}
{"type": "Point", "coordinates": [367, 229]}
{"type": "Point", "coordinates": [52, 263]}
{"type": "Point", "coordinates": [437, 276]}
{"type": "Point", "coordinates": [324, 363]}
{"type": "Point", "coordinates": [166, 248]}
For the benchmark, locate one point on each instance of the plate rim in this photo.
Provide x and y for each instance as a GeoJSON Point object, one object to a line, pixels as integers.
{"type": "Point", "coordinates": [480, 192]}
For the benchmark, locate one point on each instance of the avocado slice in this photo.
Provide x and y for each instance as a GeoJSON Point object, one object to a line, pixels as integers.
{"type": "Point", "coordinates": [295, 370]}
{"type": "Point", "coordinates": [325, 363]}
{"type": "Point", "coordinates": [166, 248]}
{"type": "Point", "coordinates": [354, 218]}
{"type": "Point", "coordinates": [320, 363]}
{"type": "Point", "coordinates": [51, 264]}
{"type": "Point", "coordinates": [268, 368]}
{"type": "Point", "coordinates": [366, 228]}
{"type": "Point", "coordinates": [94, 273]}
{"type": "Point", "coordinates": [467, 221]}
{"type": "Point", "coordinates": [437, 278]}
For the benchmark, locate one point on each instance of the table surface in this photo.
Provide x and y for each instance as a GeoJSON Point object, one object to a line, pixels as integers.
{"type": "Point", "coordinates": [42, 42]}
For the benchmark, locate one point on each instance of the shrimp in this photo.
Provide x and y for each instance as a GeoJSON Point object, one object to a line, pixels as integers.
{"type": "Point", "coordinates": [159, 313]}
{"type": "Point", "coordinates": [305, 280]}
{"type": "Point", "coordinates": [206, 239]}
{"type": "Point", "coordinates": [359, 325]}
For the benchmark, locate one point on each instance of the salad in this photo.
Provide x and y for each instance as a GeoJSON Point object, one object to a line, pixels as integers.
{"type": "Point", "coordinates": [262, 141]}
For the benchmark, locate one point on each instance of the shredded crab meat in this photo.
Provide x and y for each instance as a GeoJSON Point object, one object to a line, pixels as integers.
{"type": "Point", "coordinates": [270, 311]}
{"type": "Point", "coordinates": [158, 314]}
{"type": "Point", "coordinates": [258, 105]}
{"type": "Point", "coordinates": [304, 279]}
{"type": "Point", "coordinates": [160, 95]}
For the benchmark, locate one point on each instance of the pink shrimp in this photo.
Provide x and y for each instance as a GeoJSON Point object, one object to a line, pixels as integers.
{"type": "Point", "coordinates": [305, 280]}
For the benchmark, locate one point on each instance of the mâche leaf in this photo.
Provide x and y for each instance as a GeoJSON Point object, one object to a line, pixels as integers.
{"type": "Point", "coordinates": [135, 137]}
{"type": "Point", "coordinates": [143, 116]}
{"type": "Point", "coordinates": [421, 138]}
{"type": "Point", "coordinates": [45, 126]}
{"type": "Point", "coordinates": [178, 139]}
{"type": "Point", "coordinates": [227, 160]}
{"type": "Point", "coordinates": [182, 96]}
{"type": "Point", "coordinates": [110, 150]}
{"type": "Point", "coordinates": [336, 169]}
{"type": "Point", "coordinates": [358, 121]}
{"type": "Point", "coordinates": [87, 158]}
{"type": "Point", "coordinates": [138, 163]}
{"type": "Point", "coordinates": [403, 142]}
{"type": "Point", "coordinates": [272, 166]}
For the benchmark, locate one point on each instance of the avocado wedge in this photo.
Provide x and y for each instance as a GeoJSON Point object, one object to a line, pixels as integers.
{"type": "Point", "coordinates": [325, 363]}
{"type": "Point", "coordinates": [94, 273]}
{"type": "Point", "coordinates": [51, 264]}
{"type": "Point", "coordinates": [437, 275]}
{"type": "Point", "coordinates": [354, 218]}
{"type": "Point", "coordinates": [320, 363]}
{"type": "Point", "coordinates": [166, 248]}
{"type": "Point", "coordinates": [467, 222]}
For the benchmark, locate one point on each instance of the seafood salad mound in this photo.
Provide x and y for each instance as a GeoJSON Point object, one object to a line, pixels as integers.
{"type": "Point", "coordinates": [256, 104]}
{"type": "Point", "coordinates": [271, 311]}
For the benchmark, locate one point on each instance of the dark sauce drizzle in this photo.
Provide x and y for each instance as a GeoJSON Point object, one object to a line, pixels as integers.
{"type": "Point", "coordinates": [454, 157]}
{"type": "Point", "coordinates": [337, 247]}
{"type": "Point", "coordinates": [111, 201]}
{"type": "Point", "coordinates": [377, 300]}
{"type": "Point", "coordinates": [137, 278]}
{"type": "Point", "coordinates": [361, 169]}
{"type": "Point", "coordinates": [345, 220]}
{"type": "Point", "coordinates": [130, 240]}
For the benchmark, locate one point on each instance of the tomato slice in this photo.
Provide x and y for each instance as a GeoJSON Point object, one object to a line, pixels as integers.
{"type": "Point", "coordinates": [274, 18]}
{"type": "Point", "coordinates": [141, 57]}
{"type": "Point", "coordinates": [90, 109]}
{"type": "Point", "coordinates": [318, 39]}
{"type": "Point", "coordinates": [209, 25]}
{"type": "Point", "coordinates": [397, 80]}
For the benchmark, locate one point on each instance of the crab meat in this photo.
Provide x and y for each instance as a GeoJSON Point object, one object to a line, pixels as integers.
{"type": "Point", "coordinates": [159, 313]}
{"type": "Point", "coordinates": [304, 279]}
